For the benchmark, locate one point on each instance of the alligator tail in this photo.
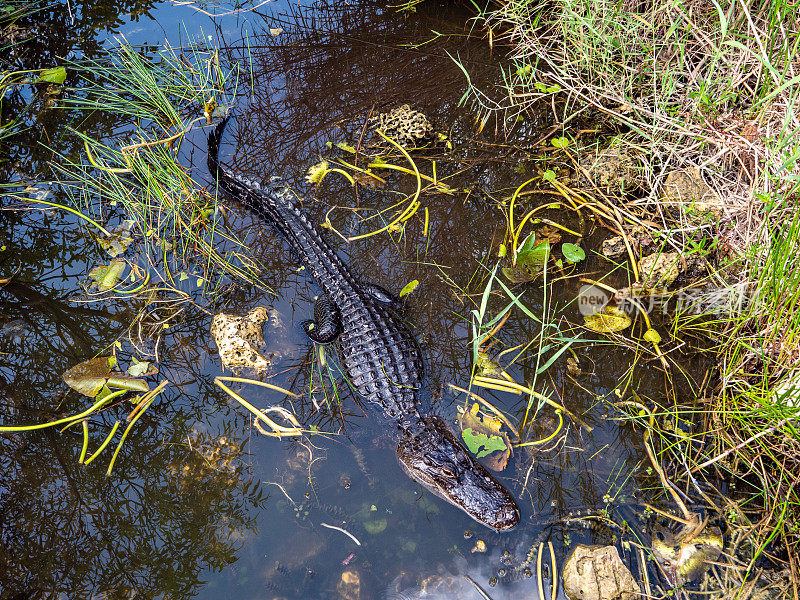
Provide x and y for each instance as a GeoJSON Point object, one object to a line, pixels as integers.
{"type": "Point", "coordinates": [259, 200]}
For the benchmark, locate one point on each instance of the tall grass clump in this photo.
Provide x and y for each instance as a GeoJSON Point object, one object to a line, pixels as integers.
{"type": "Point", "coordinates": [708, 85]}
{"type": "Point", "coordinates": [697, 83]}
{"type": "Point", "coordinates": [154, 101]}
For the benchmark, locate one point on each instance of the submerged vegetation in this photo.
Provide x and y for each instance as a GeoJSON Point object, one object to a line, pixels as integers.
{"type": "Point", "coordinates": [707, 92]}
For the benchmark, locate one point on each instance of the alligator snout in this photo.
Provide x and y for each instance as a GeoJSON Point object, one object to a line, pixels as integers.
{"type": "Point", "coordinates": [506, 517]}
{"type": "Point", "coordinates": [434, 457]}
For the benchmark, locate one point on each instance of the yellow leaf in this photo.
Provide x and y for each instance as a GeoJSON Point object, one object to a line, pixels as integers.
{"type": "Point", "coordinates": [409, 287]}
{"type": "Point", "coordinates": [651, 335]}
{"type": "Point", "coordinates": [611, 319]}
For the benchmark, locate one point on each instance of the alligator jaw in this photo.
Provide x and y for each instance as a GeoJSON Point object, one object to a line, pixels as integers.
{"type": "Point", "coordinates": [433, 456]}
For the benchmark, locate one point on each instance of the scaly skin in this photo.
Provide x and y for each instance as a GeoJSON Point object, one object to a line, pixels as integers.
{"type": "Point", "coordinates": [380, 355]}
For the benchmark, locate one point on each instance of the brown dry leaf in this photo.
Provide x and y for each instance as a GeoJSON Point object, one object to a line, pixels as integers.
{"type": "Point", "coordinates": [548, 233]}
{"type": "Point", "coordinates": [573, 367]}
{"type": "Point", "coordinates": [369, 180]}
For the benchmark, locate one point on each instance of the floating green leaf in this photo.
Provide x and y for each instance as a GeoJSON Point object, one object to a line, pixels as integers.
{"type": "Point", "coordinates": [549, 175]}
{"type": "Point", "coordinates": [486, 366]}
{"type": "Point", "coordinates": [535, 256]}
{"type": "Point", "coordinates": [55, 75]}
{"type": "Point", "coordinates": [107, 276]}
{"type": "Point", "coordinates": [409, 287]}
{"type": "Point", "coordinates": [346, 147]}
{"type": "Point", "coordinates": [561, 143]}
{"type": "Point", "coordinates": [93, 377]}
{"type": "Point", "coordinates": [481, 444]}
{"type": "Point", "coordinates": [141, 368]}
{"type": "Point", "coordinates": [121, 382]}
{"type": "Point", "coordinates": [572, 252]}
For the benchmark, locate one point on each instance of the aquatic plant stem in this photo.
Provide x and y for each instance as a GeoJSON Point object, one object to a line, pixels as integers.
{"type": "Point", "coordinates": [134, 416]}
{"type": "Point", "coordinates": [96, 406]}
{"type": "Point", "coordinates": [85, 427]}
{"type": "Point", "coordinates": [105, 443]}
{"type": "Point", "coordinates": [74, 212]}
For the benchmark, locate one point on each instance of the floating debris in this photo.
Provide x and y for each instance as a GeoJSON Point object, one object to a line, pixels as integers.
{"type": "Point", "coordinates": [480, 546]}
{"type": "Point", "coordinates": [408, 127]}
{"type": "Point", "coordinates": [239, 339]}
{"type": "Point", "coordinates": [573, 366]}
{"type": "Point", "coordinates": [118, 240]}
{"type": "Point", "coordinates": [349, 587]}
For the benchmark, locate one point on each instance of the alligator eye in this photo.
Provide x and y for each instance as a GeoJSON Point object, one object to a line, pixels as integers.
{"type": "Point", "coordinates": [447, 471]}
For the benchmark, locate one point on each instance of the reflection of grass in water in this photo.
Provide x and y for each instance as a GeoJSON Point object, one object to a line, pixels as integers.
{"type": "Point", "coordinates": [160, 99]}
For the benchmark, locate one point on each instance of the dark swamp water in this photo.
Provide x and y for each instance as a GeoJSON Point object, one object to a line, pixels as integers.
{"type": "Point", "coordinates": [201, 505]}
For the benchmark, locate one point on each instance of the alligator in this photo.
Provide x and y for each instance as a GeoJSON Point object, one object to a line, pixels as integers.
{"type": "Point", "coordinates": [380, 355]}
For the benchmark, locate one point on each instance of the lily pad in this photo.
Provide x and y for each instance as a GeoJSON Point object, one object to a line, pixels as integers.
{"type": "Point", "coordinates": [481, 444]}
{"type": "Point", "coordinates": [90, 376]}
{"type": "Point", "coordinates": [95, 375]}
{"type": "Point", "coordinates": [107, 276]}
{"type": "Point", "coordinates": [376, 526]}
{"type": "Point", "coordinates": [572, 252]}
{"type": "Point", "coordinates": [609, 320]}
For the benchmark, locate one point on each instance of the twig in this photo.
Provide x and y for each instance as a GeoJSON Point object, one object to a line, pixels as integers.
{"type": "Point", "coordinates": [344, 531]}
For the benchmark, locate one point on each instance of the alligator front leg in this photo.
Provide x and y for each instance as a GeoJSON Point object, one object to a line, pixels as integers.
{"type": "Point", "coordinates": [327, 324]}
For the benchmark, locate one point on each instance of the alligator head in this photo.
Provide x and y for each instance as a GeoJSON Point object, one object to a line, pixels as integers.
{"type": "Point", "coordinates": [433, 456]}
